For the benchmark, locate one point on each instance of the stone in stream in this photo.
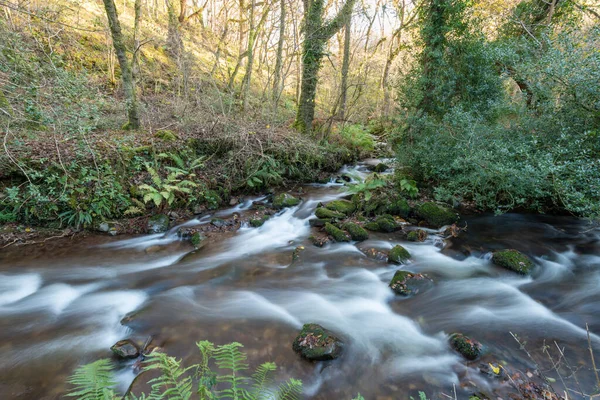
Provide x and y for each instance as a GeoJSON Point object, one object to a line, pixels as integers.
{"type": "Point", "coordinates": [406, 283]}
{"type": "Point", "coordinates": [418, 235]}
{"type": "Point", "coordinates": [356, 231]}
{"type": "Point", "coordinates": [379, 168]}
{"type": "Point", "coordinates": [258, 222]}
{"type": "Point", "coordinates": [436, 215]}
{"type": "Point", "coordinates": [467, 347]}
{"type": "Point", "coordinates": [512, 260]}
{"type": "Point", "coordinates": [317, 222]}
{"type": "Point", "coordinates": [316, 343]}
{"type": "Point", "coordinates": [196, 238]}
{"type": "Point", "coordinates": [158, 223]}
{"type": "Point", "coordinates": [283, 200]}
{"type": "Point", "coordinates": [336, 233]}
{"type": "Point", "coordinates": [325, 213]}
{"type": "Point", "coordinates": [384, 223]}
{"type": "Point", "coordinates": [398, 255]}
{"type": "Point", "coordinates": [341, 206]}
{"type": "Point", "coordinates": [108, 227]}
{"type": "Point", "coordinates": [125, 349]}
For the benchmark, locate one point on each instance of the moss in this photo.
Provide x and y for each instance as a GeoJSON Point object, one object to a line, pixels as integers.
{"type": "Point", "coordinates": [326, 213]}
{"type": "Point", "coordinates": [467, 347]}
{"type": "Point", "coordinates": [166, 135]}
{"type": "Point", "coordinates": [356, 231]}
{"type": "Point", "coordinates": [398, 255]}
{"type": "Point", "coordinates": [372, 226]}
{"type": "Point", "coordinates": [512, 260]}
{"type": "Point", "coordinates": [436, 215]}
{"type": "Point", "coordinates": [317, 343]}
{"type": "Point", "coordinates": [387, 223]}
{"type": "Point", "coordinates": [399, 207]}
{"type": "Point", "coordinates": [158, 223]}
{"type": "Point", "coordinates": [406, 283]}
{"type": "Point", "coordinates": [379, 168]}
{"type": "Point", "coordinates": [196, 239]}
{"type": "Point", "coordinates": [256, 222]}
{"type": "Point", "coordinates": [342, 206]}
{"type": "Point", "coordinates": [283, 200]}
{"type": "Point", "coordinates": [337, 234]}
{"type": "Point", "coordinates": [418, 235]}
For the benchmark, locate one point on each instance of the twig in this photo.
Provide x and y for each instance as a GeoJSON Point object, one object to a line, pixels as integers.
{"type": "Point", "coordinates": [587, 329]}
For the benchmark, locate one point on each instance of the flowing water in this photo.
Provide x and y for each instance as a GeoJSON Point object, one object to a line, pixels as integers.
{"type": "Point", "coordinates": [62, 305]}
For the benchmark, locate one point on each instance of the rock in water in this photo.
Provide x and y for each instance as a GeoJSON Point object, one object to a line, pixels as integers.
{"type": "Point", "coordinates": [341, 206]}
{"type": "Point", "coordinates": [436, 215]}
{"type": "Point", "coordinates": [467, 347]}
{"type": "Point", "coordinates": [379, 168]}
{"type": "Point", "coordinates": [356, 231]}
{"type": "Point", "coordinates": [158, 223]}
{"type": "Point", "coordinates": [418, 235]}
{"type": "Point", "coordinates": [398, 255]}
{"type": "Point", "coordinates": [406, 283]}
{"type": "Point", "coordinates": [513, 260]}
{"type": "Point", "coordinates": [125, 349]}
{"type": "Point", "coordinates": [316, 343]}
{"type": "Point", "coordinates": [336, 233]}
{"type": "Point", "coordinates": [285, 200]}
{"type": "Point", "coordinates": [325, 213]}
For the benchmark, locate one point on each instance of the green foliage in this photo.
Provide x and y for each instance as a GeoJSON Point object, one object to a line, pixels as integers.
{"type": "Point", "coordinates": [175, 382]}
{"type": "Point", "coordinates": [409, 186]}
{"type": "Point", "coordinates": [367, 187]}
{"type": "Point", "coordinates": [355, 136]}
{"type": "Point", "coordinates": [359, 397]}
{"type": "Point", "coordinates": [163, 191]}
{"type": "Point", "coordinates": [269, 172]}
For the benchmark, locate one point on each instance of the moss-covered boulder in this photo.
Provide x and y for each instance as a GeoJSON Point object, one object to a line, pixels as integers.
{"type": "Point", "coordinates": [399, 207]}
{"type": "Point", "coordinates": [356, 231]}
{"type": "Point", "coordinates": [387, 223]}
{"type": "Point", "coordinates": [513, 260]}
{"type": "Point", "coordinates": [467, 347]}
{"type": "Point", "coordinates": [316, 343]}
{"type": "Point", "coordinates": [372, 226]}
{"type": "Point", "coordinates": [342, 206]}
{"type": "Point", "coordinates": [166, 135]}
{"type": "Point", "coordinates": [418, 235]}
{"type": "Point", "coordinates": [379, 168]}
{"type": "Point", "coordinates": [195, 237]}
{"type": "Point", "coordinates": [406, 283]}
{"type": "Point", "coordinates": [317, 222]}
{"type": "Point", "coordinates": [283, 200]}
{"type": "Point", "coordinates": [436, 215]}
{"type": "Point", "coordinates": [158, 223]}
{"type": "Point", "coordinates": [398, 255]}
{"type": "Point", "coordinates": [325, 213]}
{"type": "Point", "coordinates": [336, 233]}
{"type": "Point", "coordinates": [125, 349]}
{"type": "Point", "coordinates": [256, 222]}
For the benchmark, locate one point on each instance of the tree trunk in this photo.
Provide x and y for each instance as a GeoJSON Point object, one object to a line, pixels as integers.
{"type": "Point", "coordinates": [250, 51]}
{"type": "Point", "coordinates": [345, 69]}
{"type": "Point", "coordinates": [126, 74]}
{"type": "Point", "coordinates": [279, 57]}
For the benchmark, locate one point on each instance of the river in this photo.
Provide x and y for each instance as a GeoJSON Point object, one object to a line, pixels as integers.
{"type": "Point", "coordinates": [61, 305]}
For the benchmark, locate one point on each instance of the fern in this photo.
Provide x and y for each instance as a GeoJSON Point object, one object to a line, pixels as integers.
{"type": "Point", "coordinates": [262, 380]}
{"type": "Point", "coordinates": [174, 383]}
{"type": "Point", "coordinates": [230, 358]}
{"type": "Point", "coordinates": [207, 379]}
{"type": "Point", "coordinates": [359, 397]}
{"type": "Point", "coordinates": [290, 390]}
{"type": "Point", "coordinates": [93, 381]}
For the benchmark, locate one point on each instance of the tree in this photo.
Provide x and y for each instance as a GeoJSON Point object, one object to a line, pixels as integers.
{"type": "Point", "coordinates": [345, 69]}
{"type": "Point", "coordinates": [279, 57]}
{"type": "Point", "coordinates": [316, 35]}
{"type": "Point", "coordinates": [126, 70]}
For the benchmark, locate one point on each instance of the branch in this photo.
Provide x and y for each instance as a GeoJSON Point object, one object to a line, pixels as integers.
{"type": "Point", "coordinates": [339, 20]}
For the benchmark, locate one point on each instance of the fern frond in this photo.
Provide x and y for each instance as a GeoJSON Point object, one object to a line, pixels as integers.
{"type": "Point", "coordinates": [290, 390]}
{"type": "Point", "coordinates": [154, 175]}
{"type": "Point", "coordinates": [207, 379]}
{"type": "Point", "coordinates": [133, 210]}
{"type": "Point", "coordinates": [262, 380]}
{"type": "Point", "coordinates": [174, 383]}
{"type": "Point", "coordinates": [93, 381]}
{"type": "Point", "coordinates": [359, 397]}
{"type": "Point", "coordinates": [229, 357]}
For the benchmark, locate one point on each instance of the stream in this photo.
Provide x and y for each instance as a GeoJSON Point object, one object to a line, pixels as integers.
{"type": "Point", "coordinates": [62, 305]}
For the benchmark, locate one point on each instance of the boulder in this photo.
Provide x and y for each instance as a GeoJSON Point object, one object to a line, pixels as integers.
{"type": "Point", "coordinates": [398, 255]}
{"type": "Point", "coordinates": [326, 213]}
{"type": "Point", "coordinates": [108, 227]}
{"type": "Point", "coordinates": [467, 347]}
{"type": "Point", "coordinates": [336, 233]}
{"type": "Point", "coordinates": [317, 222]}
{"type": "Point", "coordinates": [194, 236]}
{"type": "Point", "coordinates": [418, 235]}
{"type": "Point", "coordinates": [375, 254]}
{"type": "Point", "coordinates": [283, 200]}
{"type": "Point", "coordinates": [387, 223]}
{"type": "Point", "coordinates": [399, 207]}
{"type": "Point", "coordinates": [436, 215]}
{"type": "Point", "coordinates": [407, 283]}
{"type": "Point", "coordinates": [379, 168]}
{"type": "Point", "coordinates": [342, 206]}
{"type": "Point", "coordinates": [316, 343]}
{"type": "Point", "coordinates": [257, 222]}
{"type": "Point", "coordinates": [219, 223]}
{"type": "Point", "coordinates": [125, 349]}
{"type": "Point", "coordinates": [513, 260]}
{"type": "Point", "coordinates": [158, 223]}
{"type": "Point", "coordinates": [356, 231]}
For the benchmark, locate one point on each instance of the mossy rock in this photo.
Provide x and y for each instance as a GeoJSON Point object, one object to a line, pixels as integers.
{"type": "Point", "coordinates": [125, 349]}
{"type": "Point", "coordinates": [326, 213]}
{"type": "Point", "coordinates": [436, 215]}
{"type": "Point", "coordinates": [406, 283]}
{"type": "Point", "coordinates": [158, 223]}
{"type": "Point", "coordinates": [399, 207]}
{"type": "Point", "coordinates": [257, 222]}
{"type": "Point", "coordinates": [342, 206]}
{"type": "Point", "coordinates": [317, 222]}
{"type": "Point", "coordinates": [513, 260]}
{"type": "Point", "coordinates": [197, 239]}
{"type": "Point", "coordinates": [316, 343]}
{"type": "Point", "coordinates": [219, 222]}
{"type": "Point", "coordinates": [372, 226]}
{"type": "Point", "coordinates": [166, 135]}
{"type": "Point", "coordinates": [379, 168]}
{"type": "Point", "coordinates": [283, 200]}
{"type": "Point", "coordinates": [387, 223]}
{"type": "Point", "coordinates": [398, 255]}
{"type": "Point", "coordinates": [467, 347]}
{"type": "Point", "coordinates": [356, 231]}
{"type": "Point", "coordinates": [337, 234]}
{"type": "Point", "coordinates": [418, 235]}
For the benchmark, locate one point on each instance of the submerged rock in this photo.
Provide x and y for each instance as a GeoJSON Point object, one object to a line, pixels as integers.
{"type": "Point", "coordinates": [316, 343]}
{"type": "Point", "coordinates": [407, 283]}
{"type": "Point", "coordinates": [398, 255]}
{"type": "Point", "coordinates": [342, 206]}
{"type": "Point", "coordinates": [283, 200]}
{"type": "Point", "coordinates": [125, 349]}
{"type": "Point", "coordinates": [467, 347]}
{"type": "Point", "coordinates": [158, 223]}
{"type": "Point", "coordinates": [325, 213]}
{"type": "Point", "coordinates": [418, 235]}
{"type": "Point", "coordinates": [436, 215]}
{"type": "Point", "coordinates": [356, 231]}
{"type": "Point", "coordinates": [513, 260]}
{"type": "Point", "coordinates": [336, 233]}
{"type": "Point", "coordinates": [375, 254]}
